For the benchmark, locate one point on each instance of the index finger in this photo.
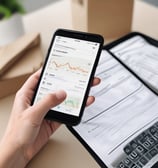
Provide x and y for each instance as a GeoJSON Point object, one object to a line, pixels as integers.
{"type": "Point", "coordinates": [96, 81]}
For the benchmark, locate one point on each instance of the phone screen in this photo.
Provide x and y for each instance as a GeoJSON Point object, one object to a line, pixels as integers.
{"type": "Point", "coordinates": [68, 67]}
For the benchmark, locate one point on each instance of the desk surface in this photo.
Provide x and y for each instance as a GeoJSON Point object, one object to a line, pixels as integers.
{"type": "Point", "coordinates": [63, 150]}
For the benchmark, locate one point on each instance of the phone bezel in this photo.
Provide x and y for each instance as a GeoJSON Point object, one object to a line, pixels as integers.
{"type": "Point", "coordinates": [59, 116]}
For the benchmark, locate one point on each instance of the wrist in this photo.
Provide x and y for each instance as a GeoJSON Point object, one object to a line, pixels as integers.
{"type": "Point", "coordinates": [12, 156]}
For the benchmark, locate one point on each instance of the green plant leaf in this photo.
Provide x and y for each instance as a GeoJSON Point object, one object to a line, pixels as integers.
{"type": "Point", "coordinates": [13, 6]}
{"type": "Point", "coordinates": [4, 12]}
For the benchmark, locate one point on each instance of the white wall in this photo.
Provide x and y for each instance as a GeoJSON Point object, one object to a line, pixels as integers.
{"type": "Point", "coordinates": [31, 5]}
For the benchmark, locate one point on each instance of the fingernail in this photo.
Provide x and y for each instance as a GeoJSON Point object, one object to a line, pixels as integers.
{"type": "Point", "coordinates": [60, 94]}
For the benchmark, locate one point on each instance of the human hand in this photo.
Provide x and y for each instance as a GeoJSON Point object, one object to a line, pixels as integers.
{"type": "Point", "coordinates": [27, 129]}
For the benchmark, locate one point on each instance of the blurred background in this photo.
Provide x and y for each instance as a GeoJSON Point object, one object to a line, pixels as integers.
{"type": "Point", "coordinates": [31, 5]}
{"type": "Point", "coordinates": [153, 2]}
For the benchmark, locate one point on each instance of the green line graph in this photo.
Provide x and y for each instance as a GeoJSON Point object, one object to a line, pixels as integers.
{"type": "Point", "coordinates": [72, 102]}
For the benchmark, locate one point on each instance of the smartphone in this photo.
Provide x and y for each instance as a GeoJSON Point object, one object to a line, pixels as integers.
{"type": "Point", "coordinates": [70, 65]}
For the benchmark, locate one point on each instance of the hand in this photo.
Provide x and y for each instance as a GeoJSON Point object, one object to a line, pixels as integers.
{"type": "Point", "coordinates": [27, 131]}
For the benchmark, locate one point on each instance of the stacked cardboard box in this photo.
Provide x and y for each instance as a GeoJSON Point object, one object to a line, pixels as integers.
{"type": "Point", "coordinates": [18, 61]}
{"type": "Point", "coordinates": [111, 18]}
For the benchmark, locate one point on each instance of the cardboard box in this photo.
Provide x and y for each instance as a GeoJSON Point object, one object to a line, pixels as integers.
{"type": "Point", "coordinates": [27, 63]}
{"type": "Point", "coordinates": [111, 18]}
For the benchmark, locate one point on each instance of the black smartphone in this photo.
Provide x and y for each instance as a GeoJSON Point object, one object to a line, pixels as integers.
{"type": "Point", "coordinates": [70, 65]}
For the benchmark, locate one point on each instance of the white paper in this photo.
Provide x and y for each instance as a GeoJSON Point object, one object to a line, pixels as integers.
{"type": "Point", "coordinates": [124, 107]}
{"type": "Point", "coordinates": [141, 57]}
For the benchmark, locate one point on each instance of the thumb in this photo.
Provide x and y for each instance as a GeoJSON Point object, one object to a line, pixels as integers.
{"type": "Point", "coordinates": [40, 109]}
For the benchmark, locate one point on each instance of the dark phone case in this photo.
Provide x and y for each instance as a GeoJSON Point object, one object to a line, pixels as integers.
{"type": "Point", "coordinates": [62, 117]}
{"type": "Point", "coordinates": [108, 47]}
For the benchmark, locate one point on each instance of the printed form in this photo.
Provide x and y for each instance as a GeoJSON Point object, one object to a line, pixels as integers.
{"type": "Point", "coordinates": [124, 107]}
{"type": "Point", "coordinates": [141, 57]}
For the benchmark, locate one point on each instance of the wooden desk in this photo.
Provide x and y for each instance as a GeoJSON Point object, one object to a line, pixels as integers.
{"type": "Point", "coordinates": [63, 150]}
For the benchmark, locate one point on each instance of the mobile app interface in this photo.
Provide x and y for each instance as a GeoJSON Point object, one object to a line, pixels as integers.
{"type": "Point", "coordinates": [68, 68]}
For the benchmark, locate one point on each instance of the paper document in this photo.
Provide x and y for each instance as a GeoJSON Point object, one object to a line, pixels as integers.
{"type": "Point", "coordinates": [123, 109]}
{"type": "Point", "coordinates": [141, 57]}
